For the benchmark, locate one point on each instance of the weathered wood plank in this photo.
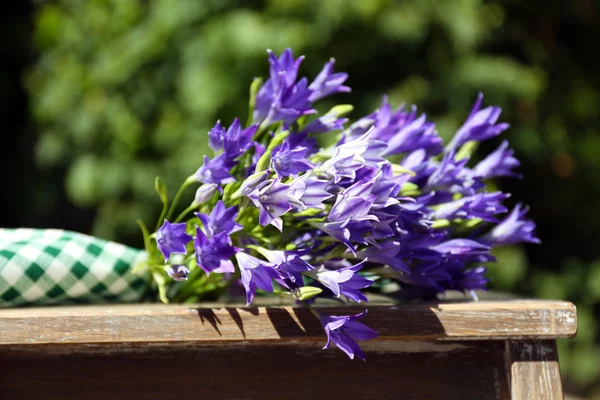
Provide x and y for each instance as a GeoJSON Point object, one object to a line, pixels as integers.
{"type": "Point", "coordinates": [152, 323]}
{"type": "Point", "coordinates": [394, 370]}
{"type": "Point", "coordinates": [534, 370]}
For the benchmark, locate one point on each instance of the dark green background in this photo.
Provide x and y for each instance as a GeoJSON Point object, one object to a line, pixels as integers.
{"type": "Point", "coordinates": [98, 97]}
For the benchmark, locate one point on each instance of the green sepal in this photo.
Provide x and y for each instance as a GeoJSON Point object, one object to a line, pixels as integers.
{"type": "Point", "coordinates": [309, 212]}
{"type": "Point", "coordinates": [254, 88]}
{"type": "Point", "coordinates": [466, 150]}
{"type": "Point", "coordinates": [440, 223]}
{"type": "Point", "coordinates": [265, 159]}
{"type": "Point", "coordinates": [307, 292]}
{"type": "Point", "coordinates": [340, 110]}
{"type": "Point", "coordinates": [398, 169]}
{"type": "Point", "coordinates": [261, 250]}
{"type": "Point", "coordinates": [467, 224]}
{"type": "Point", "coordinates": [409, 189]}
{"type": "Point", "coordinates": [229, 190]}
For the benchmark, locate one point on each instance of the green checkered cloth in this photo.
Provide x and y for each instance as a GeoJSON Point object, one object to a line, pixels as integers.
{"type": "Point", "coordinates": [46, 267]}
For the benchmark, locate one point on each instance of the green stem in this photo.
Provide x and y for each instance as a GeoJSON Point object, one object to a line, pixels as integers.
{"type": "Point", "coordinates": [187, 182]}
{"type": "Point", "coordinates": [185, 212]}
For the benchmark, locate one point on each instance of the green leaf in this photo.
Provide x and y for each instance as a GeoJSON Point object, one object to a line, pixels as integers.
{"type": "Point", "coordinates": [146, 235]}
{"type": "Point", "coordinates": [161, 281]}
{"type": "Point", "coordinates": [307, 292]}
{"type": "Point", "coordinates": [161, 190]}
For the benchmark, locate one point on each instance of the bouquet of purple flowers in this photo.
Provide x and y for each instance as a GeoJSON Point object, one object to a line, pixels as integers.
{"type": "Point", "coordinates": [387, 203]}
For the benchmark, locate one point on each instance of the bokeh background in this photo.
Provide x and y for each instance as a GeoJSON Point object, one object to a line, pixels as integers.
{"type": "Point", "coordinates": [100, 96]}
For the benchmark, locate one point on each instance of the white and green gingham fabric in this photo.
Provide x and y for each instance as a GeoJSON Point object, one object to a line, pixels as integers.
{"type": "Point", "coordinates": [49, 266]}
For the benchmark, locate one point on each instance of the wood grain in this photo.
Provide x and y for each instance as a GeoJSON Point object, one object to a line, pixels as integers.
{"type": "Point", "coordinates": [153, 323]}
{"type": "Point", "coordinates": [534, 371]}
{"type": "Point", "coordinates": [408, 371]}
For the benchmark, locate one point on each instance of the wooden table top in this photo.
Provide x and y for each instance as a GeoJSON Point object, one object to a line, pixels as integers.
{"type": "Point", "coordinates": [217, 323]}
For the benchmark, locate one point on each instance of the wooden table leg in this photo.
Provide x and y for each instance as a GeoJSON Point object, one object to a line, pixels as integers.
{"type": "Point", "coordinates": [533, 369]}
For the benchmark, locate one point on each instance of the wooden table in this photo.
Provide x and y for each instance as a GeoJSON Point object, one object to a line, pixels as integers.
{"type": "Point", "coordinates": [456, 350]}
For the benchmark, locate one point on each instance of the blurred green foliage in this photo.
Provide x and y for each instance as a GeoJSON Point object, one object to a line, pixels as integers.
{"type": "Point", "coordinates": [124, 90]}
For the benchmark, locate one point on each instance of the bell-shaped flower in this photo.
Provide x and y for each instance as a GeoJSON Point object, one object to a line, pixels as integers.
{"type": "Point", "coordinates": [345, 282]}
{"type": "Point", "coordinates": [481, 205]}
{"type": "Point", "coordinates": [480, 125]}
{"type": "Point", "coordinates": [328, 83]}
{"type": "Point", "coordinates": [215, 170]}
{"type": "Point", "coordinates": [465, 250]}
{"type": "Point", "coordinates": [220, 219]}
{"type": "Point", "coordinates": [353, 203]}
{"type": "Point", "coordinates": [281, 98]}
{"type": "Point", "coordinates": [256, 274]}
{"type": "Point", "coordinates": [288, 161]}
{"type": "Point", "coordinates": [315, 191]}
{"type": "Point", "coordinates": [344, 331]}
{"type": "Point", "coordinates": [386, 254]}
{"type": "Point", "coordinates": [451, 175]}
{"type": "Point", "coordinates": [289, 263]}
{"type": "Point", "coordinates": [499, 163]}
{"type": "Point", "coordinates": [213, 254]}
{"type": "Point", "coordinates": [178, 272]}
{"type": "Point", "coordinates": [171, 239]}
{"type": "Point", "coordinates": [513, 230]}
{"type": "Point", "coordinates": [276, 199]}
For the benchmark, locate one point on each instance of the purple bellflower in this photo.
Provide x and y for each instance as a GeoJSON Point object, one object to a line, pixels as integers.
{"type": "Point", "coordinates": [213, 254]}
{"type": "Point", "coordinates": [327, 83]}
{"type": "Point", "coordinates": [353, 203]}
{"type": "Point", "coordinates": [290, 264]}
{"type": "Point", "coordinates": [452, 176]}
{"type": "Point", "coordinates": [345, 282]}
{"type": "Point", "coordinates": [479, 126]}
{"type": "Point", "coordinates": [215, 170]}
{"type": "Point", "coordinates": [221, 219]}
{"type": "Point", "coordinates": [288, 161]}
{"type": "Point", "coordinates": [216, 136]}
{"type": "Point", "coordinates": [386, 254]}
{"type": "Point", "coordinates": [276, 199]}
{"type": "Point", "coordinates": [337, 230]}
{"type": "Point", "coordinates": [326, 123]}
{"type": "Point", "coordinates": [178, 272]}
{"type": "Point", "coordinates": [351, 156]}
{"type": "Point", "coordinates": [470, 280]}
{"type": "Point", "coordinates": [171, 239]}
{"type": "Point", "coordinates": [315, 191]}
{"type": "Point", "coordinates": [344, 331]}
{"type": "Point", "coordinates": [400, 129]}
{"type": "Point", "coordinates": [498, 163]}
{"type": "Point", "coordinates": [480, 205]}
{"type": "Point", "coordinates": [256, 274]}
{"type": "Point", "coordinates": [465, 250]}
{"type": "Point", "coordinates": [281, 98]}
{"type": "Point", "coordinates": [512, 230]}
{"type": "Point", "coordinates": [238, 140]}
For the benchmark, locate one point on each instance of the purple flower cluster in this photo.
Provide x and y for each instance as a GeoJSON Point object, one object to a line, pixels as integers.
{"type": "Point", "coordinates": [387, 202]}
